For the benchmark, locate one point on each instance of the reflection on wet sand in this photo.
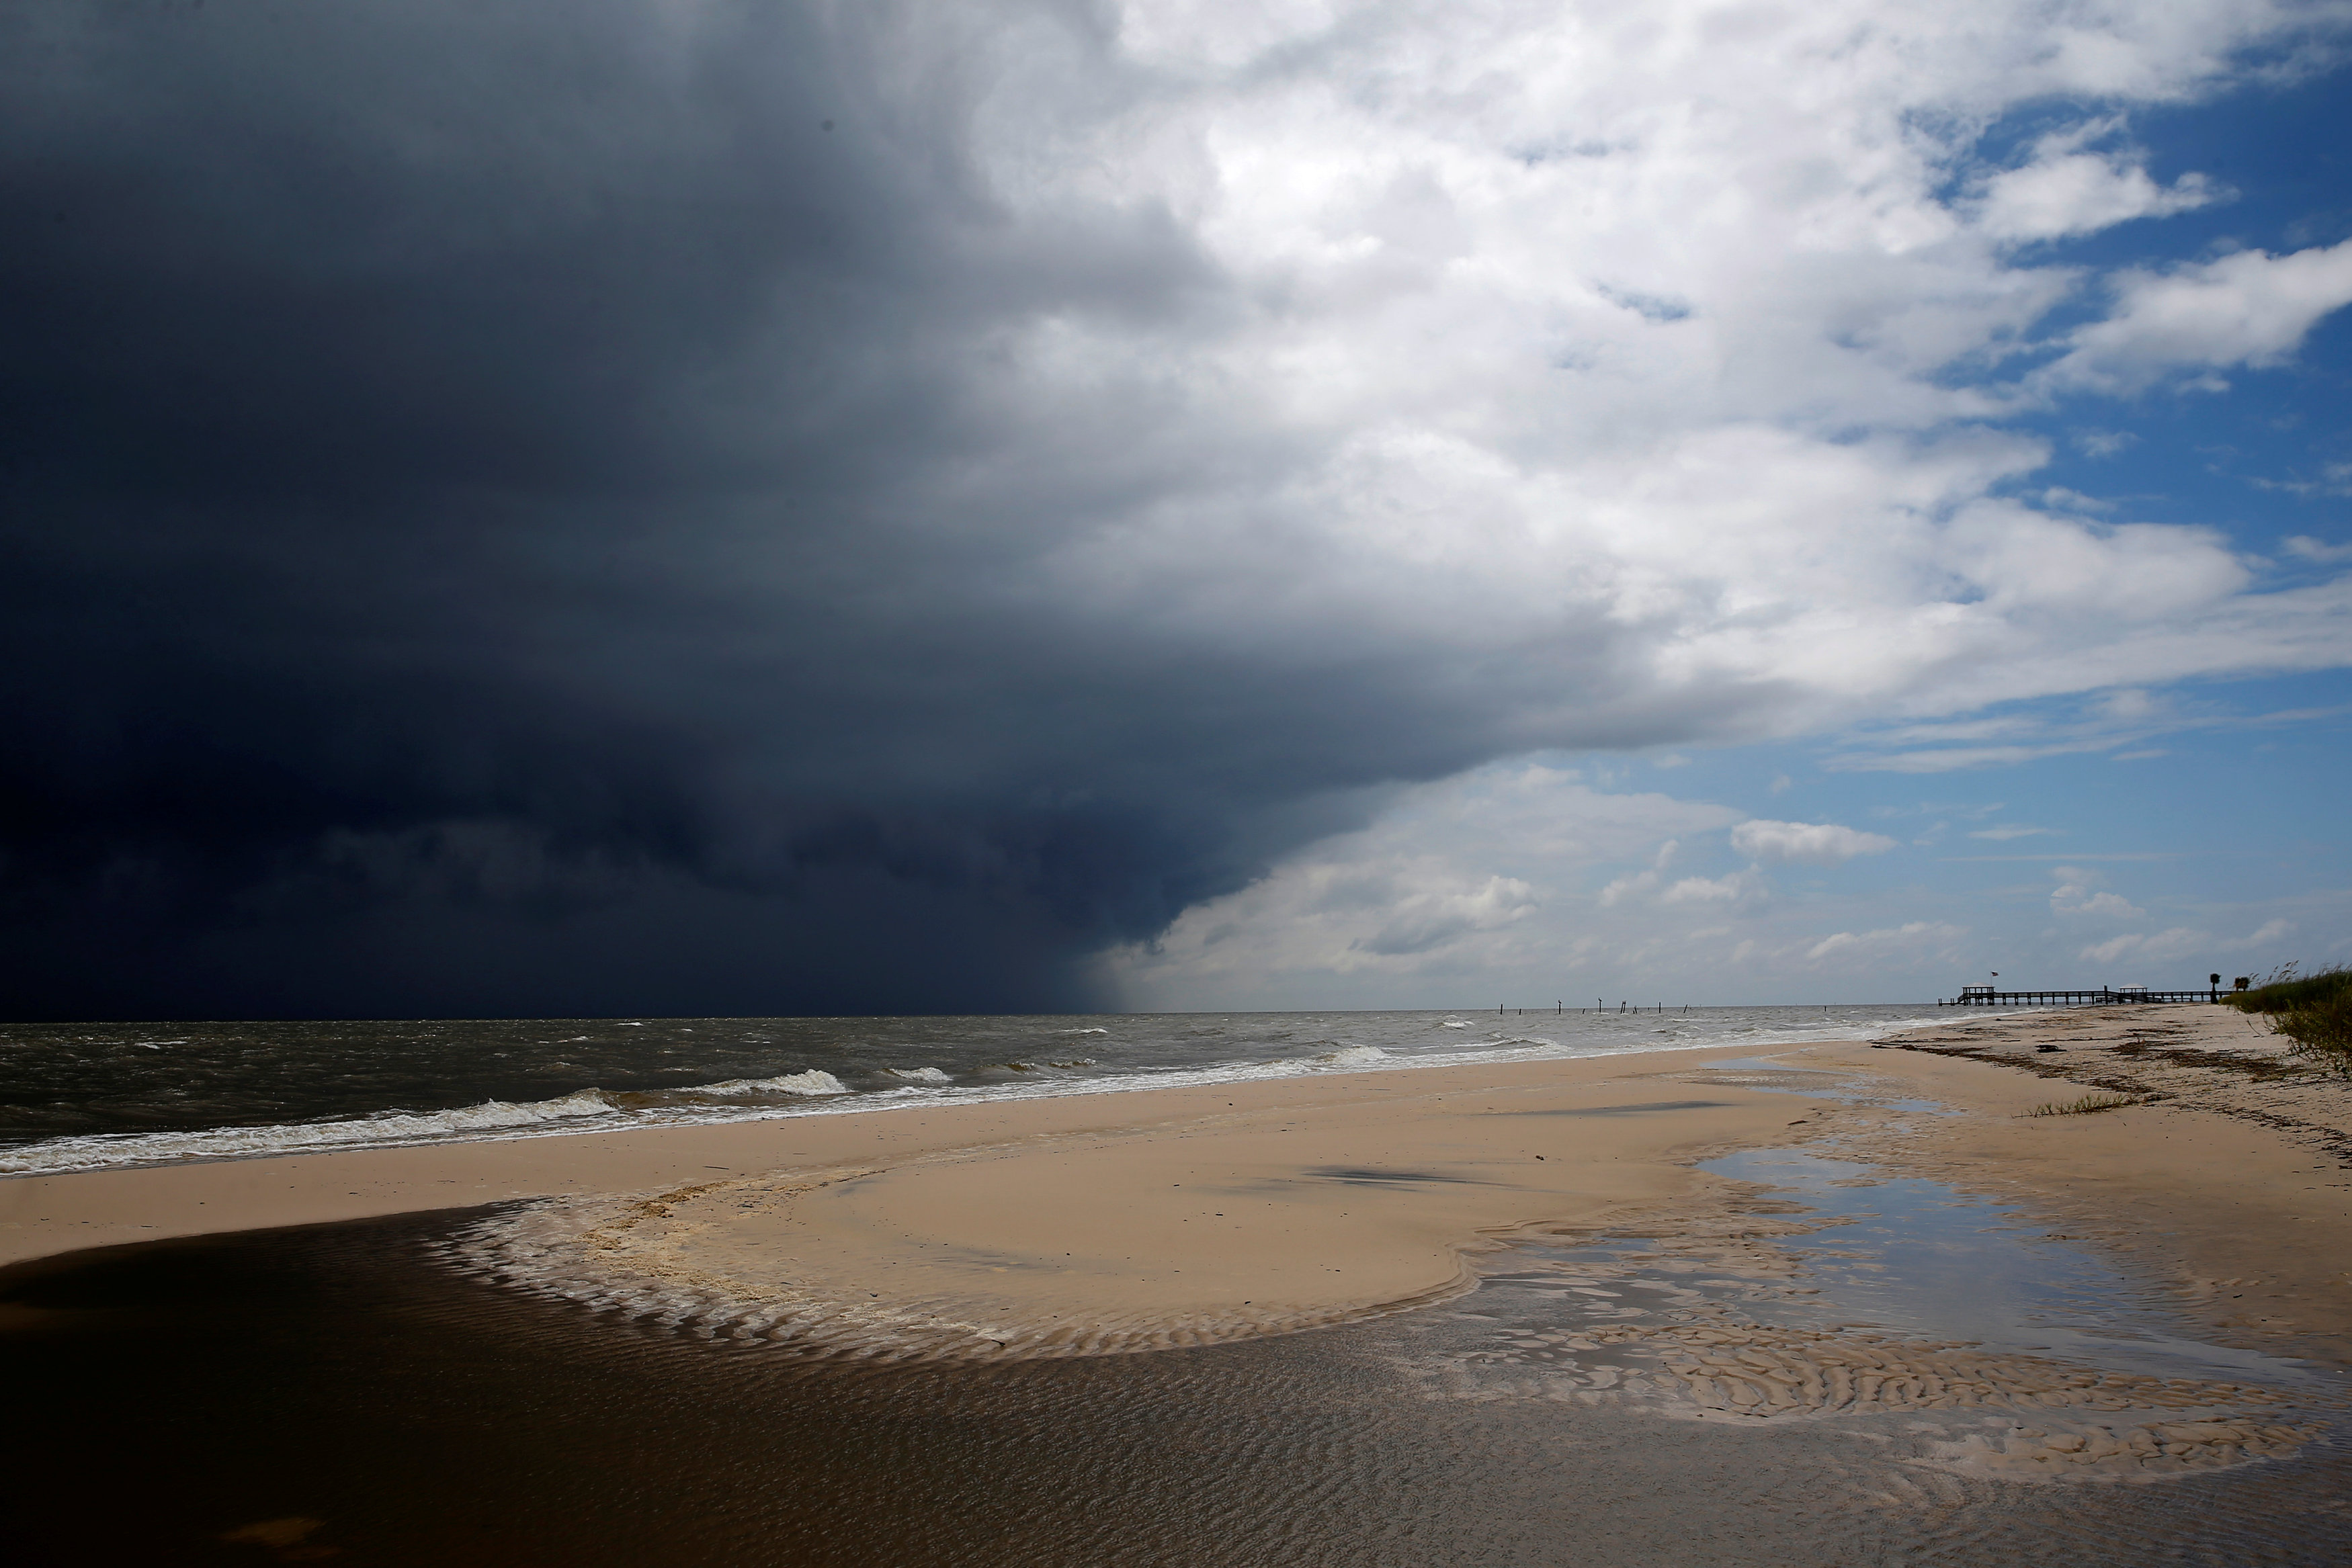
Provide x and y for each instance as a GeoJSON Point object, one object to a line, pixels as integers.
{"type": "Point", "coordinates": [1852, 1350]}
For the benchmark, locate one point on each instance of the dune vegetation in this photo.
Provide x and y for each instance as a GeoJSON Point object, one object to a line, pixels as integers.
{"type": "Point", "coordinates": [2089, 1104]}
{"type": "Point", "coordinates": [2314, 1011]}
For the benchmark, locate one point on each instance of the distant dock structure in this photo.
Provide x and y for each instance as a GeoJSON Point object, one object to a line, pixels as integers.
{"type": "Point", "coordinates": [2105, 996]}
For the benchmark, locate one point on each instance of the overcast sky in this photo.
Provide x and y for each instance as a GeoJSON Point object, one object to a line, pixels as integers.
{"type": "Point", "coordinates": [706, 508]}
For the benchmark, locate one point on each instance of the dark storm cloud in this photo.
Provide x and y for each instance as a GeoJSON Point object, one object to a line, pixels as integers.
{"type": "Point", "coordinates": [511, 508]}
{"type": "Point", "coordinates": [697, 507]}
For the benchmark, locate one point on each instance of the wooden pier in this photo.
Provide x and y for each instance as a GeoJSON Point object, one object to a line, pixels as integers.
{"type": "Point", "coordinates": [1986, 997]}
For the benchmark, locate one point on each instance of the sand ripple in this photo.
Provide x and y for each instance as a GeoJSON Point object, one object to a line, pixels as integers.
{"type": "Point", "coordinates": [1763, 1372]}
{"type": "Point", "coordinates": [582, 1252]}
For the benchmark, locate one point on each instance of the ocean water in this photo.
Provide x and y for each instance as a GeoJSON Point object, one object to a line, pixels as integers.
{"type": "Point", "coordinates": [86, 1096]}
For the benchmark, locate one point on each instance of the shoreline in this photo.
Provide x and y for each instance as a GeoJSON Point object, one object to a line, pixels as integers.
{"type": "Point", "coordinates": [583, 1109]}
{"type": "Point", "coordinates": [44, 1215]}
{"type": "Point", "coordinates": [2228, 1188]}
{"type": "Point", "coordinates": [1073, 1222]}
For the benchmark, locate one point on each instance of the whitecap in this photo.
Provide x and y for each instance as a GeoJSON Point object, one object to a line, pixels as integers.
{"type": "Point", "coordinates": [488, 1118]}
{"type": "Point", "coordinates": [815, 1081]}
{"type": "Point", "coordinates": [919, 1074]}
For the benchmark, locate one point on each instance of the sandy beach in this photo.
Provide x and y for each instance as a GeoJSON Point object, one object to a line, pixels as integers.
{"type": "Point", "coordinates": [1129, 1221]}
{"type": "Point", "coordinates": [1844, 1301]}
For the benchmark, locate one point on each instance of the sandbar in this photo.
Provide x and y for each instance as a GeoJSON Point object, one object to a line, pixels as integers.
{"type": "Point", "coordinates": [1125, 1221]}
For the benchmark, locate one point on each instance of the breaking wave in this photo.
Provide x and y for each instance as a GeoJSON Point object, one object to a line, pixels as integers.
{"type": "Point", "coordinates": [488, 1119]}
{"type": "Point", "coordinates": [1216, 1057]}
{"type": "Point", "coordinates": [815, 1081]}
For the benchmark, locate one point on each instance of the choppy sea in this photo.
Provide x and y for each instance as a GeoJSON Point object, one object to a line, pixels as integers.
{"type": "Point", "coordinates": [86, 1096]}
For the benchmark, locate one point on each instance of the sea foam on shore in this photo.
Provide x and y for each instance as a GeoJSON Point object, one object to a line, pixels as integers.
{"type": "Point", "coordinates": [130, 1095]}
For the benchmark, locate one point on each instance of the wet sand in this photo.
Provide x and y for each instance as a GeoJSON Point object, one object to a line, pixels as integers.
{"type": "Point", "coordinates": [1134, 1220]}
{"type": "Point", "coordinates": [1152, 1217]}
{"type": "Point", "coordinates": [2230, 1184]}
{"type": "Point", "coordinates": [318, 1395]}
{"type": "Point", "coordinates": [1743, 1310]}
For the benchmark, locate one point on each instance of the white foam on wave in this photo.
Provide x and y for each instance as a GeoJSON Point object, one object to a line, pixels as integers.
{"type": "Point", "coordinates": [816, 1092]}
{"type": "Point", "coordinates": [488, 1121]}
{"type": "Point", "coordinates": [1453, 1023]}
{"type": "Point", "coordinates": [1082, 1032]}
{"type": "Point", "coordinates": [919, 1074]}
{"type": "Point", "coordinates": [490, 1118]}
{"type": "Point", "coordinates": [815, 1081]}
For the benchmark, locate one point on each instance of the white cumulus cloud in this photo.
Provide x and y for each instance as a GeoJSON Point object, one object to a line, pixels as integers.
{"type": "Point", "coordinates": [1426, 918]}
{"type": "Point", "coordinates": [2161, 946]}
{"type": "Point", "coordinates": [1562, 338]}
{"type": "Point", "coordinates": [2310, 549]}
{"type": "Point", "coordinates": [1923, 936]}
{"type": "Point", "coordinates": [2064, 191]}
{"type": "Point", "coordinates": [2074, 895]}
{"type": "Point", "coordinates": [1713, 890]}
{"type": "Point", "coordinates": [2251, 308]}
{"type": "Point", "coordinates": [2269, 932]}
{"type": "Point", "coordinates": [1820, 843]}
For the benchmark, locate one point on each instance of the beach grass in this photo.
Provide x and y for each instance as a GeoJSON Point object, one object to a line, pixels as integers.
{"type": "Point", "coordinates": [2285, 992]}
{"type": "Point", "coordinates": [2088, 1103]}
{"type": "Point", "coordinates": [2312, 1011]}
